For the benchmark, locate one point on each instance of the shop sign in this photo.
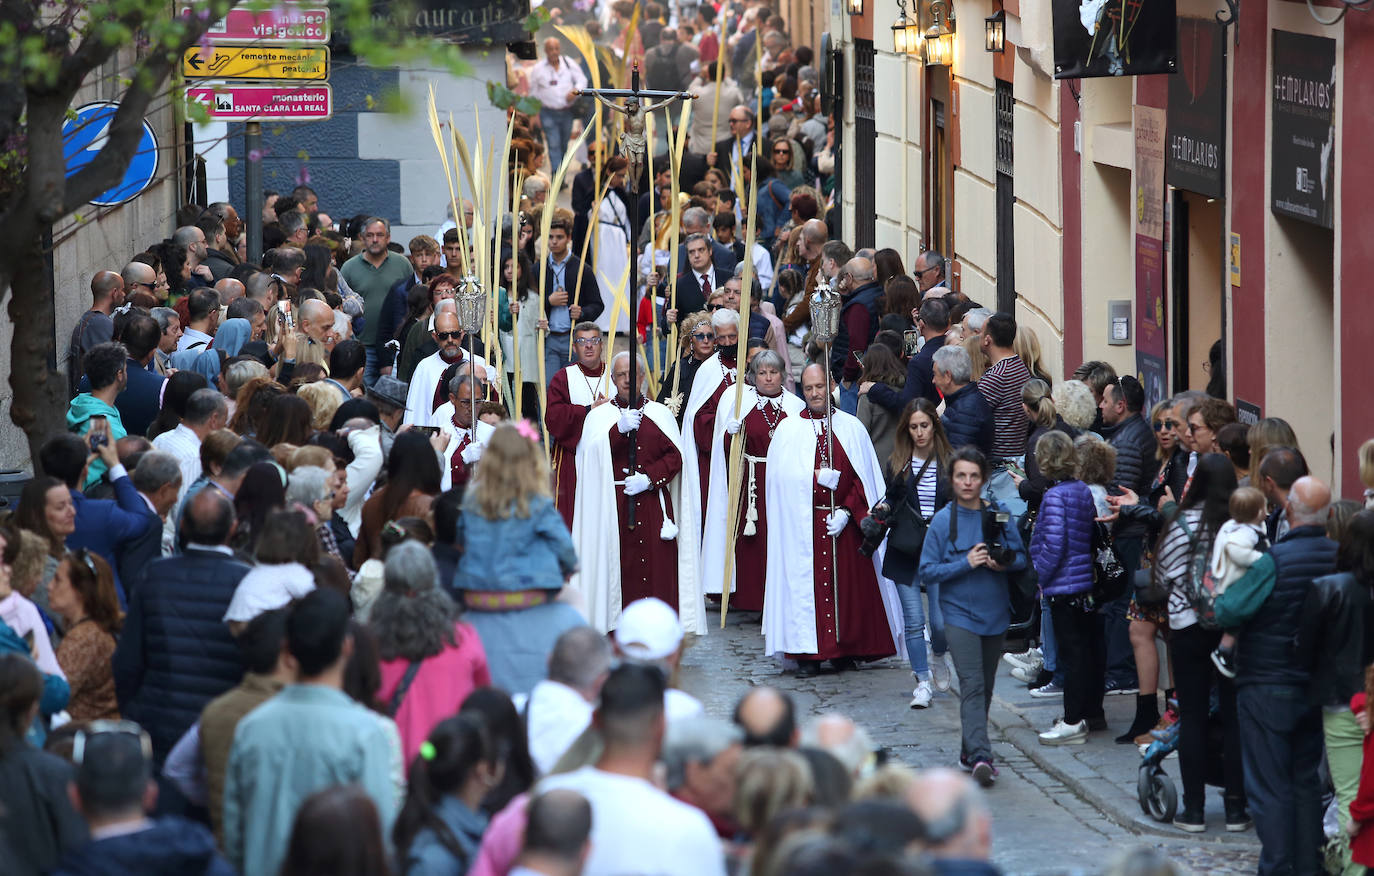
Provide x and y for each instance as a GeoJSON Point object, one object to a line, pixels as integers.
{"type": "Point", "coordinates": [1303, 150]}
{"type": "Point", "coordinates": [1195, 158]}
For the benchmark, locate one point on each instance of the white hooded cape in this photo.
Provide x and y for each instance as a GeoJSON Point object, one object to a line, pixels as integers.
{"type": "Point", "coordinates": [455, 437]}
{"type": "Point", "coordinates": [420, 397]}
{"type": "Point", "coordinates": [789, 603]}
{"type": "Point", "coordinates": [718, 502]}
{"type": "Point", "coordinates": [709, 376]}
{"type": "Point", "coordinates": [596, 525]}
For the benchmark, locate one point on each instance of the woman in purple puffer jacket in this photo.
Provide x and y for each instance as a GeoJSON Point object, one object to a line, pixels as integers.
{"type": "Point", "coordinates": [1061, 549]}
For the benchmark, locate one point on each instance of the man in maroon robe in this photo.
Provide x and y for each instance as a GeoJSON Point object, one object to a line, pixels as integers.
{"type": "Point", "coordinates": [573, 392]}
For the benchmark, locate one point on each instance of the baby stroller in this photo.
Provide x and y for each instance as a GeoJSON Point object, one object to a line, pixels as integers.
{"type": "Point", "coordinates": [1155, 790]}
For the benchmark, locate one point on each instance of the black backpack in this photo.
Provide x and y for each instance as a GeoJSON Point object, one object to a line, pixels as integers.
{"type": "Point", "coordinates": [660, 68]}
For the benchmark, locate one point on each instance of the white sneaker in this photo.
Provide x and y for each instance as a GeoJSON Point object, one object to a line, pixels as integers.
{"type": "Point", "coordinates": [921, 696]}
{"type": "Point", "coordinates": [940, 671]}
{"type": "Point", "coordinates": [1025, 674]}
{"type": "Point", "coordinates": [1030, 658]}
{"type": "Point", "coordinates": [1065, 734]}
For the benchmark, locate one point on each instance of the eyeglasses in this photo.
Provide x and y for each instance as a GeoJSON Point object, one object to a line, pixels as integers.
{"type": "Point", "coordinates": [711, 308]}
{"type": "Point", "coordinates": [587, 342]}
{"type": "Point", "coordinates": [1197, 427]}
{"type": "Point", "coordinates": [703, 336]}
{"type": "Point", "coordinates": [447, 336]}
{"type": "Point", "coordinates": [102, 728]}
{"type": "Point", "coordinates": [85, 557]}
{"type": "Point", "coordinates": [782, 151]}
{"type": "Point", "coordinates": [149, 285]}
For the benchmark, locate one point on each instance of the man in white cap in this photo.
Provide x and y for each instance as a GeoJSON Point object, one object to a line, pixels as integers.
{"type": "Point", "coordinates": [650, 633]}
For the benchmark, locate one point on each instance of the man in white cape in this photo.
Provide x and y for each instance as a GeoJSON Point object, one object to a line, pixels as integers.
{"type": "Point", "coordinates": [620, 564]}
{"type": "Point", "coordinates": [426, 395]}
{"type": "Point", "coordinates": [762, 409]}
{"type": "Point", "coordinates": [466, 437]}
{"type": "Point", "coordinates": [824, 600]}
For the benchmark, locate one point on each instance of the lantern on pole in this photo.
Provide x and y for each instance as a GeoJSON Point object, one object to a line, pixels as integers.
{"type": "Point", "coordinates": [471, 301]}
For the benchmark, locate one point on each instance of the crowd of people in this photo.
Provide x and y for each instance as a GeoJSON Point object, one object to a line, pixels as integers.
{"type": "Point", "coordinates": [301, 592]}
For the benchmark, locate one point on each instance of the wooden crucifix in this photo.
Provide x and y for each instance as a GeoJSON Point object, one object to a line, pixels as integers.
{"type": "Point", "coordinates": [633, 147]}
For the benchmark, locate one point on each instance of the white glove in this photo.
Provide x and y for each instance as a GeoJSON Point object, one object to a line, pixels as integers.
{"type": "Point", "coordinates": [629, 421]}
{"type": "Point", "coordinates": [835, 521]}
{"type": "Point", "coordinates": [471, 453]}
{"type": "Point", "coordinates": [491, 374]}
{"type": "Point", "coordinates": [636, 483]}
{"type": "Point", "coordinates": [732, 426]}
{"type": "Point", "coordinates": [828, 478]}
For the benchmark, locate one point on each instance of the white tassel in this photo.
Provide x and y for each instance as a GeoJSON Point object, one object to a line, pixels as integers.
{"type": "Point", "coordinates": [668, 531]}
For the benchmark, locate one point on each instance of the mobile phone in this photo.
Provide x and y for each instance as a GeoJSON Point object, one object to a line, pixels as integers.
{"type": "Point", "coordinates": [99, 434]}
{"type": "Point", "coordinates": [1015, 469]}
{"type": "Point", "coordinates": [911, 342]}
{"type": "Point", "coordinates": [427, 431]}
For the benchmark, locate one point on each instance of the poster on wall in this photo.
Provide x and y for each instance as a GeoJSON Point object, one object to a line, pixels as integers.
{"type": "Point", "coordinates": [1151, 343]}
{"type": "Point", "coordinates": [1303, 151]}
{"type": "Point", "coordinates": [1197, 110]}
{"type": "Point", "coordinates": [1114, 38]}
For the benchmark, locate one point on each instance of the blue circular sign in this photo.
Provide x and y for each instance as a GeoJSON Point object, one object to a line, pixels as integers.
{"type": "Point", "coordinates": [85, 135]}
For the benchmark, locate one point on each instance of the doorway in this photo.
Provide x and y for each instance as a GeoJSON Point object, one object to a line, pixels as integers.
{"type": "Point", "coordinates": [1198, 298]}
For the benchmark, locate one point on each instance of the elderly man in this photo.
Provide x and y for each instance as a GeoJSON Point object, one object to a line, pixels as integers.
{"type": "Point", "coordinates": [465, 437]}
{"type": "Point", "coordinates": [158, 481]}
{"type": "Point", "coordinates": [573, 392]}
{"type": "Point", "coordinates": [929, 270]}
{"type": "Point", "coordinates": [202, 309]}
{"type": "Point", "coordinates": [555, 81]}
{"type": "Point", "coordinates": [958, 825]}
{"type": "Point", "coordinates": [968, 416]}
{"type": "Point", "coordinates": [859, 315]}
{"type": "Point", "coordinates": [427, 390]}
{"type": "Point", "coordinates": [762, 408]}
{"type": "Point", "coordinates": [841, 737]}
{"type": "Point", "coordinates": [1280, 727]}
{"type": "Point", "coordinates": [560, 707]}
{"type": "Point", "coordinates": [701, 757]}
{"type": "Point", "coordinates": [625, 562]}
{"type": "Point", "coordinates": [832, 603]}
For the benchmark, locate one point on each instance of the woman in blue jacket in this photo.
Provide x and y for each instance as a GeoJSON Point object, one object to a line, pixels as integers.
{"type": "Point", "coordinates": [969, 550]}
{"type": "Point", "coordinates": [517, 554]}
{"type": "Point", "coordinates": [1061, 550]}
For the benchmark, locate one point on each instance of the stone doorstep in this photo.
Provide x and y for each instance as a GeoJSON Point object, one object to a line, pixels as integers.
{"type": "Point", "coordinates": [1100, 772]}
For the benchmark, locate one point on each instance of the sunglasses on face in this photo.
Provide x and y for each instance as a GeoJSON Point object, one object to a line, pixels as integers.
{"type": "Point", "coordinates": [702, 336]}
{"type": "Point", "coordinates": [713, 307]}
{"type": "Point", "coordinates": [1166, 424]}
{"type": "Point", "coordinates": [448, 336]}
{"type": "Point", "coordinates": [587, 342]}
{"type": "Point", "coordinates": [782, 151]}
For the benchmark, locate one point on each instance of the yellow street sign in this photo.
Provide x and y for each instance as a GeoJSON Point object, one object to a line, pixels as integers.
{"type": "Point", "coordinates": [256, 62]}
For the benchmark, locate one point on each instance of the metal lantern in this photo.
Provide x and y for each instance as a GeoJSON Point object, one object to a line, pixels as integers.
{"type": "Point", "coordinates": [825, 312]}
{"type": "Point", "coordinates": [472, 305]}
{"type": "Point", "coordinates": [995, 32]}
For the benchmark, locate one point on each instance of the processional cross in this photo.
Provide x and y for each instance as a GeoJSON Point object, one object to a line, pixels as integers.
{"type": "Point", "coordinates": [633, 147]}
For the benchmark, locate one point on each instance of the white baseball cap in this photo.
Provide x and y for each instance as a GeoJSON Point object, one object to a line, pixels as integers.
{"type": "Point", "coordinates": [648, 630]}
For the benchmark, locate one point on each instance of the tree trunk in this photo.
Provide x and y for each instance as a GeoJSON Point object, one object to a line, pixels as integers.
{"type": "Point", "coordinates": [40, 392]}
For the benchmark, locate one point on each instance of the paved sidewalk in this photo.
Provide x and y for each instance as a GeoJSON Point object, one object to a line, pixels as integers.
{"type": "Point", "coordinates": [1101, 772]}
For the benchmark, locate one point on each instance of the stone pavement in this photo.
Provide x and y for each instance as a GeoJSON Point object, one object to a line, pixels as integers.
{"type": "Point", "coordinates": [1061, 810]}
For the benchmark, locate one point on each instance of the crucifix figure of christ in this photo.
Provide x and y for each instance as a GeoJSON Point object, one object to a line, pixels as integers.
{"type": "Point", "coordinates": [633, 146]}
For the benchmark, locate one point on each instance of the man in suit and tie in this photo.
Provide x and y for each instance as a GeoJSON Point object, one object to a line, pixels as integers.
{"type": "Point", "coordinates": [732, 152]}
{"type": "Point", "coordinates": [695, 284]}
{"type": "Point", "coordinates": [103, 526]}
{"type": "Point", "coordinates": [157, 477]}
{"type": "Point", "coordinates": [696, 220]}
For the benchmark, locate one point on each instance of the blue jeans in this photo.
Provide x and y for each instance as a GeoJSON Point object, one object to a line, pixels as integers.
{"type": "Point", "coordinates": [1048, 651]}
{"type": "Point", "coordinates": [849, 398]}
{"type": "Point", "coordinates": [1002, 490]}
{"type": "Point", "coordinates": [1281, 749]}
{"type": "Point", "coordinates": [914, 626]}
{"type": "Point", "coordinates": [371, 371]}
{"type": "Point", "coordinates": [557, 125]}
{"type": "Point", "coordinates": [555, 355]}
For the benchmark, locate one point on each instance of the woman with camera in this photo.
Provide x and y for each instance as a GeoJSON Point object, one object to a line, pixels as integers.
{"type": "Point", "coordinates": [917, 487]}
{"type": "Point", "coordinates": [1061, 549]}
{"type": "Point", "coordinates": [969, 550]}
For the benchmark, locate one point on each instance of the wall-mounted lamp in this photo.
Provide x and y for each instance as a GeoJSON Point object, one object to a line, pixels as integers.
{"type": "Point", "coordinates": [995, 32]}
{"type": "Point", "coordinates": [939, 34]}
{"type": "Point", "coordinates": [854, 7]}
{"type": "Point", "coordinates": [906, 33]}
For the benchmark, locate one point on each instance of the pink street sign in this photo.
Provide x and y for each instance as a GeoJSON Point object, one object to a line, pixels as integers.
{"type": "Point", "coordinates": [286, 23]}
{"type": "Point", "coordinates": [227, 102]}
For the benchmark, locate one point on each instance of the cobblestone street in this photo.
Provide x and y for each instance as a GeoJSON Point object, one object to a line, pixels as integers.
{"type": "Point", "coordinates": [1055, 810]}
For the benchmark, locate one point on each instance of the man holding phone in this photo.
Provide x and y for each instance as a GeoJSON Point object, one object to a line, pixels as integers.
{"type": "Point", "coordinates": [106, 369]}
{"type": "Point", "coordinates": [932, 321]}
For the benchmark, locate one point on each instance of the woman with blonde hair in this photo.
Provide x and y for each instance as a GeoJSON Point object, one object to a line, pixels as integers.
{"type": "Point", "coordinates": [698, 341]}
{"type": "Point", "coordinates": [974, 345]}
{"type": "Point", "coordinates": [1027, 346]}
{"type": "Point", "coordinates": [1076, 403]}
{"type": "Point", "coordinates": [516, 557]}
{"type": "Point", "coordinates": [770, 781]}
{"type": "Point", "coordinates": [1366, 472]}
{"type": "Point", "coordinates": [323, 400]}
{"type": "Point", "coordinates": [1271, 432]}
{"type": "Point", "coordinates": [1044, 416]}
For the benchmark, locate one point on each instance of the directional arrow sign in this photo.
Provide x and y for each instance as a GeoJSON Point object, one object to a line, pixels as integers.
{"type": "Point", "coordinates": [256, 62]}
{"type": "Point", "coordinates": [286, 24]}
{"type": "Point", "coordinates": [233, 102]}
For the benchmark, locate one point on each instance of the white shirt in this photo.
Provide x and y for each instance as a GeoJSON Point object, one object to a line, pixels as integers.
{"type": "Point", "coordinates": [551, 84]}
{"type": "Point", "coordinates": [555, 717]}
{"type": "Point", "coordinates": [636, 828]}
{"type": "Point", "coordinates": [193, 336]}
{"type": "Point", "coordinates": [184, 444]}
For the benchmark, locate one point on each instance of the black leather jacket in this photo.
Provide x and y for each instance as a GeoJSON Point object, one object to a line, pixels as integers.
{"type": "Point", "coordinates": [1334, 637]}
